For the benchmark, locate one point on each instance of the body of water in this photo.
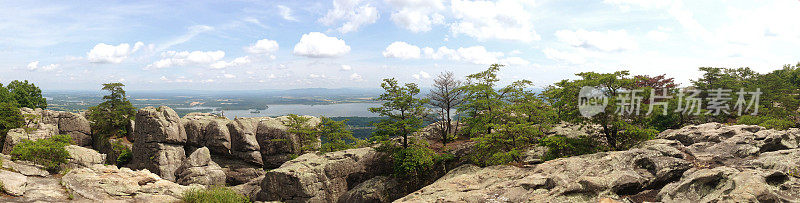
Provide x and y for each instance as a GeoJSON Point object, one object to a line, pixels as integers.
{"type": "Point", "coordinates": [328, 110]}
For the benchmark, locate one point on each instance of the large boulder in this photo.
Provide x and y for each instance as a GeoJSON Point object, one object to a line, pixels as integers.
{"type": "Point", "coordinates": [83, 157]}
{"type": "Point", "coordinates": [277, 145]}
{"type": "Point", "coordinates": [243, 140]}
{"type": "Point", "coordinates": [76, 126]}
{"type": "Point", "coordinates": [13, 183]}
{"type": "Point", "coordinates": [238, 171]}
{"type": "Point", "coordinates": [198, 168]}
{"type": "Point", "coordinates": [158, 141]}
{"type": "Point", "coordinates": [160, 124]}
{"type": "Point", "coordinates": [217, 137]}
{"type": "Point", "coordinates": [377, 189]}
{"type": "Point", "coordinates": [107, 182]}
{"type": "Point", "coordinates": [15, 136]}
{"type": "Point", "coordinates": [321, 177]}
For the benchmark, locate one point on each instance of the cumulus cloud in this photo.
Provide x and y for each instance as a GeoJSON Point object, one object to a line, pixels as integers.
{"type": "Point", "coordinates": [401, 50]}
{"type": "Point", "coordinates": [421, 75]}
{"type": "Point", "coordinates": [106, 53]}
{"type": "Point", "coordinates": [34, 66]}
{"type": "Point", "coordinates": [504, 19]}
{"type": "Point", "coordinates": [346, 68]}
{"type": "Point", "coordinates": [318, 45]}
{"type": "Point", "coordinates": [564, 57]}
{"type": "Point", "coordinates": [263, 47]}
{"type": "Point", "coordinates": [611, 40]}
{"type": "Point", "coordinates": [354, 13]}
{"type": "Point", "coordinates": [286, 13]}
{"type": "Point", "coordinates": [235, 62]}
{"type": "Point", "coordinates": [473, 54]}
{"type": "Point", "coordinates": [173, 58]}
{"type": "Point", "coordinates": [417, 15]}
{"type": "Point", "coordinates": [312, 75]}
{"type": "Point", "coordinates": [356, 77]}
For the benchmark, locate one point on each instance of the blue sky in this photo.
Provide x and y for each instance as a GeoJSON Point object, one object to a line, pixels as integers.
{"type": "Point", "coordinates": [240, 45]}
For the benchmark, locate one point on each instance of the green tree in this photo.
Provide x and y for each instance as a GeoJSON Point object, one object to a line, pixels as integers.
{"type": "Point", "coordinates": [26, 94]}
{"type": "Point", "coordinates": [481, 101]}
{"type": "Point", "coordinates": [335, 136]}
{"type": "Point", "coordinates": [298, 125]}
{"type": "Point", "coordinates": [403, 111]}
{"type": "Point", "coordinates": [10, 118]}
{"type": "Point", "coordinates": [616, 127]}
{"type": "Point", "coordinates": [112, 118]}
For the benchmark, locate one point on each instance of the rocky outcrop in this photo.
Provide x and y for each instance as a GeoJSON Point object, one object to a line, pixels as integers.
{"type": "Point", "coordinates": [73, 124]}
{"type": "Point", "coordinates": [13, 183]}
{"type": "Point", "coordinates": [377, 189]}
{"type": "Point", "coordinates": [243, 140]}
{"type": "Point", "coordinates": [199, 169]}
{"type": "Point", "coordinates": [76, 126]}
{"type": "Point", "coordinates": [278, 145]}
{"type": "Point", "coordinates": [158, 141]}
{"type": "Point", "coordinates": [704, 163]}
{"type": "Point", "coordinates": [83, 157]}
{"type": "Point", "coordinates": [103, 183]}
{"type": "Point", "coordinates": [321, 177]}
{"type": "Point", "coordinates": [15, 136]}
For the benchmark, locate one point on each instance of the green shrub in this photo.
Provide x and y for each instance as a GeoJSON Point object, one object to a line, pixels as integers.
{"type": "Point", "coordinates": [213, 195]}
{"type": "Point", "coordinates": [777, 124]}
{"type": "Point", "coordinates": [561, 146]}
{"type": "Point", "coordinates": [49, 152]}
{"type": "Point", "coordinates": [750, 120]}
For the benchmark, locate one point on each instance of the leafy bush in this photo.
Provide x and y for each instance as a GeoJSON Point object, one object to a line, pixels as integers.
{"type": "Point", "coordinates": [213, 195]}
{"type": "Point", "coordinates": [561, 146]}
{"type": "Point", "coordinates": [10, 118]}
{"type": "Point", "coordinates": [767, 122]}
{"type": "Point", "coordinates": [777, 124]}
{"type": "Point", "coordinates": [124, 156]}
{"type": "Point", "coordinates": [49, 152]}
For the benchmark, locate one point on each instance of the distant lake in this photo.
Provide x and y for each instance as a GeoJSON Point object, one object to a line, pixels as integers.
{"type": "Point", "coordinates": [328, 110]}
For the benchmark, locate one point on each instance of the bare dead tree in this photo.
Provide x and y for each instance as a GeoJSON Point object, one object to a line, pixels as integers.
{"type": "Point", "coordinates": [446, 95]}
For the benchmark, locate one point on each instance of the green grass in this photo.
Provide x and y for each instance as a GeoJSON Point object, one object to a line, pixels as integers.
{"type": "Point", "coordinates": [213, 195]}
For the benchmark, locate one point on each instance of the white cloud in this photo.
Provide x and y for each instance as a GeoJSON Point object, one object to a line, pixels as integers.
{"type": "Point", "coordinates": [271, 76]}
{"type": "Point", "coordinates": [514, 61]}
{"type": "Point", "coordinates": [193, 31]}
{"type": "Point", "coordinates": [318, 45]}
{"type": "Point", "coordinates": [263, 47]}
{"type": "Point", "coordinates": [658, 36]}
{"type": "Point", "coordinates": [316, 76]}
{"type": "Point", "coordinates": [356, 77]}
{"type": "Point", "coordinates": [34, 66]}
{"type": "Point", "coordinates": [346, 68]}
{"type": "Point", "coordinates": [564, 56]}
{"type": "Point", "coordinates": [417, 15]}
{"type": "Point", "coordinates": [421, 75]}
{"type": "Point", "coordinates": [504, 20]}
{"type": "Point", "coordinates": [286, 13]}
{"type": "Point", "coordinates": [352, 12]}
{"type": "Point", "coordinates": [611, 40]}
{"type": "Point", "coordinates": [173, 58]}
{"type": "Point", "coordinates": [228, 76]}
{"type": "Point", "coordinates": [105, 53]}
{"type": "Point", "coordinates": [239, 61]}
{"type": "Point", "coordinates": [401, 50]}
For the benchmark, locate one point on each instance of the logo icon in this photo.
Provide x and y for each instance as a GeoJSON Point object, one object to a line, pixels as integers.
{"type": "Point", "coordinates": [591, 101]}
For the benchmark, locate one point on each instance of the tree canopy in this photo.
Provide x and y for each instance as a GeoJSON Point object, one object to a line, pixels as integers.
{"type": "Point", "coordinates": [112, 117]}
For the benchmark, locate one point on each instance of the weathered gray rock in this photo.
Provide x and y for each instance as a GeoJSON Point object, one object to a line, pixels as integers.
{"type": "Point", "coordinates": [321, 178]}
{"type": "Point", "coordinates": [83, 157]}
{"type": "Point", "coordinates": [15, 136]}
{"type": "Point", "coordinates": [160, 158]}
{"type": "Point", "coordinates": [277, 145]}
{"type": "Point", "coordinates": [103, 183]}
{"type": "Point", "coordinates": [217, 137]}
{"type": "Point", "coordinates": [238, 171]}
{"type": "Point", "coordinates": [44, 190]}
{"type": "Point", "coordinates": [160, 125]}
{"type": "Point", "coordinates": [250, 189]}
{"type": "Point", "coordinates": [26, 168]}
{"type": "Point", "coordinates": [76, 126]}
{"type": "Point", "coordinates": [377, 189]}
{"type": "Point", "coordinates": [159, 140]}
{"type": "Point", "coordinates": [198, 168]}
{"type": "Point", "coordinates": [13, 183]}
{"type": "Point", "coordinates": [243, 140]}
